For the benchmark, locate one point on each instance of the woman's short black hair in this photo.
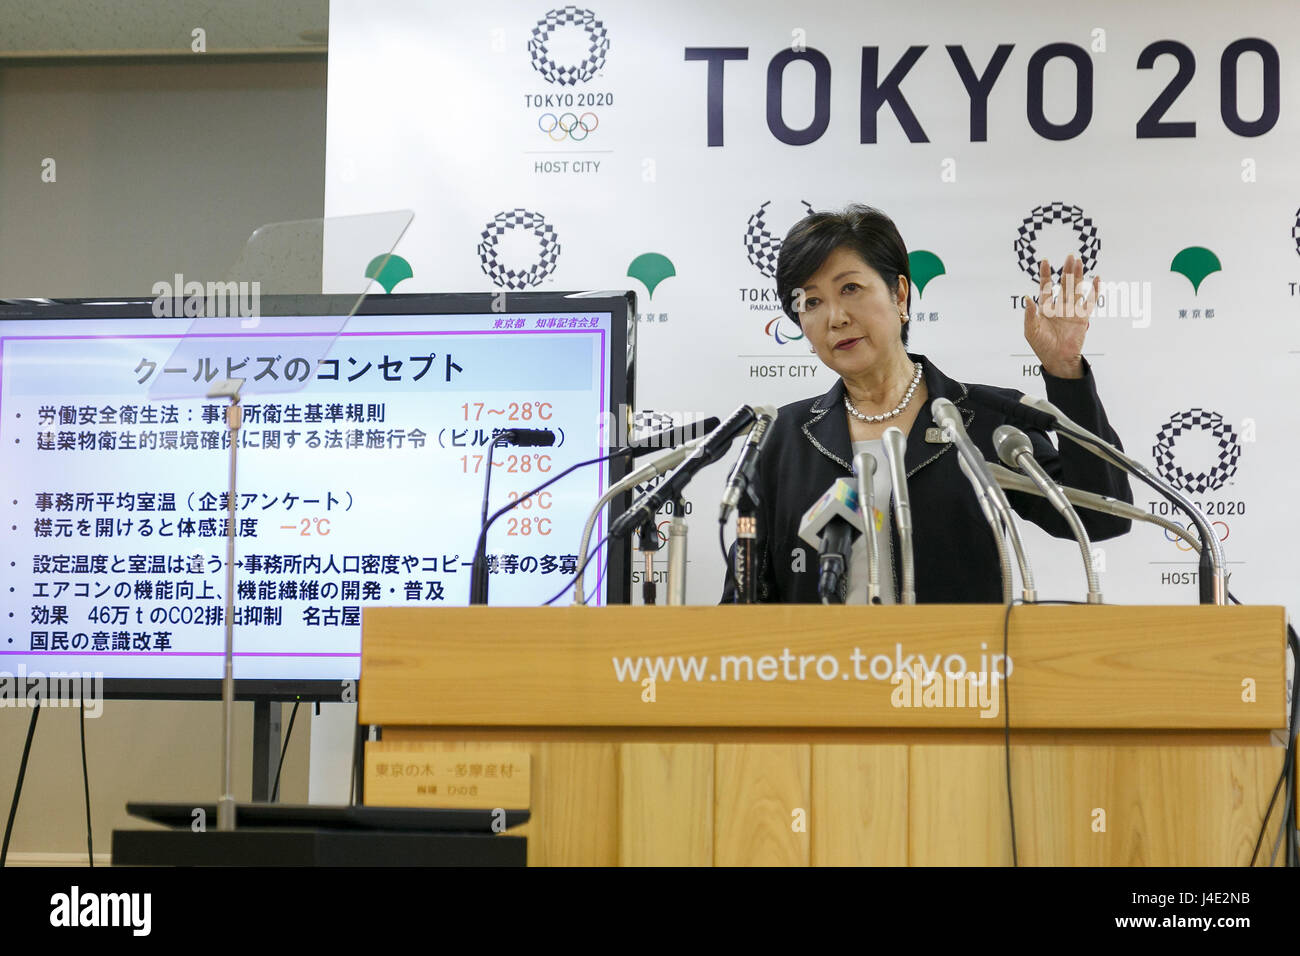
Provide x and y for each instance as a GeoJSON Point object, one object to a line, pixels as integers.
{"type": "Point", "coordinates": [864, 230]}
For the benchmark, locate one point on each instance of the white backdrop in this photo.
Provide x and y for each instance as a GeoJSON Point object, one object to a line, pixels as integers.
{"type": "Point", "coordinates": [445, 108]}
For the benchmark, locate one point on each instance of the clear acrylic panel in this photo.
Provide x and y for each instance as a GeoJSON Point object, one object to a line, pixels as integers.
{"type": "Point", "coordinates": [250, 327]}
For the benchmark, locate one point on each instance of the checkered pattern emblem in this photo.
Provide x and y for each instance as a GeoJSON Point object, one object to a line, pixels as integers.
{"type": "Point", "coordinates": [597, 46]}
{"type": "Point", "coordinates": [1295, 232]}
{"type": "Point", "coordinates": [548, 249]}
{"type": "Point", "coordinates": [1196, 419]}
{"type": "Point", "coordinates": [647, 421]}
{"type": "Point", "coordinates": [761, 246]}
{"type": "Point", "coordinates": [1072, 216]}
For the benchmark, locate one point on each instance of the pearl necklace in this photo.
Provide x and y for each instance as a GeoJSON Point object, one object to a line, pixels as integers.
{"type": "Point", "coordinates": [898, 410]}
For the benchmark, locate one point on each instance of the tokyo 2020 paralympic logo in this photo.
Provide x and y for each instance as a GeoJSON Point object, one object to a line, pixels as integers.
{"type": "Point", "coordinates": [761, 246]}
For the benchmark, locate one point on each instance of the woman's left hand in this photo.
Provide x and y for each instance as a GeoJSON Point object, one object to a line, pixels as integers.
{"type": "Point", "coordinates": [1057, 321]}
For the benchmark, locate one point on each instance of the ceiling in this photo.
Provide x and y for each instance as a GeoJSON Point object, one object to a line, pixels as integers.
{"type": "Point", "coordinates": [46, 28]}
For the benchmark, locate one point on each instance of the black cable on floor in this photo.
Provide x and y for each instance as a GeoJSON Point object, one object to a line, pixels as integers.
{"type": "Point", "coordinates": [356, 756]}
{"type": "Point", "coordinates": [85, 779]}
{"type": "Point", "coordinates": [1287, 777]}
{"type": "Point", "coordinates": [284, 749]}
{"type": "Point", "coordinates": [1006, 710]}
{"type": "Point", "coordinates": [1006, 726]}
{"type": "Point", "coordinates": [18, 788]}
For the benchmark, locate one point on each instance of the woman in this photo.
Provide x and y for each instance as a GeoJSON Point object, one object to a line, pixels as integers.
{"type": "Point", "coordinates": [844, 279]}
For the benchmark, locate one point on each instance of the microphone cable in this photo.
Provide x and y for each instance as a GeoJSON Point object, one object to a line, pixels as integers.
{"type": "Point", "coordinates": [85, 779]}
{"type": "Point", "coordinates": [480, 557]}
{"type": "Point", "coordinates": [1006, 710]}
{"type": "Point", "coordinates": [1287, 775]}
{"type": "Point", "coordinates": [727, 562]}
{"type": "Point", "coordinates": [18, 787]}
{"type": "Point", "coordinates": [284, 750]}
{"type": "Point", "coordinates": [591, 554]}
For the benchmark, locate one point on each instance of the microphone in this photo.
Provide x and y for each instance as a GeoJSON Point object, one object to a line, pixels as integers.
{"type": "Point", "coordinates": [946, 415]}
{"type": "Point", "coordinates": [895, 443]}
{"type": "Point", "coordinates": [1017, 451]}
{"type": "Point", "coordinates": [527, 437]}
{"type": "Point", "coordinates": [1004, 561]}
{"type": "Point", "coordinates": [864, 465]}
{"type": "Point", "coordinates": [665, 462]}
{"type": "Point", "coordinates": [831, 525]}
{"type": "Point", "coordinates": [1213, 576]}
{"type": "Point", "coordinates": [742, 473]}
{"type": "Point", "coordinates": [1016, 411]}
{"type": "Point", "coordinates": [1014, 481]}
{"type": "Point", "coordinates": [669, 437]}
{"type": "Point", "coordinates": [714, 447]}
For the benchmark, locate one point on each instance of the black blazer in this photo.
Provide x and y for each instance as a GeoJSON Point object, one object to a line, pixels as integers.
{"type": "Point", "coordinates": [955, 558]}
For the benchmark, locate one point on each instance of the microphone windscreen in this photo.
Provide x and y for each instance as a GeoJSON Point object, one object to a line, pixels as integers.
{"type": "Point", "coordinates": [529, 437]}
{"type": "Point", "coordinates": [1010, 442]}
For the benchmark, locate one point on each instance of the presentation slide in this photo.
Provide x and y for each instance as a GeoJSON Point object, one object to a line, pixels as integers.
{"type": "Point", "coordinates": [360, 481]}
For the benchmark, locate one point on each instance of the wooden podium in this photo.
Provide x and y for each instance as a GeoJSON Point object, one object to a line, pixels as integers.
{"type": "Point", "coordinates": [796, 735]}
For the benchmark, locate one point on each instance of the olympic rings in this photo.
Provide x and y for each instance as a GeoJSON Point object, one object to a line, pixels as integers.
{"type": "Point", "coordinates": [567, 125]}
{"type": "Point", "coordinates": [1220, 529]}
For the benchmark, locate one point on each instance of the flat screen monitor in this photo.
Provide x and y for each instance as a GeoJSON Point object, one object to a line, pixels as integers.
{"type": "Point", "coordinates": [360, 488]}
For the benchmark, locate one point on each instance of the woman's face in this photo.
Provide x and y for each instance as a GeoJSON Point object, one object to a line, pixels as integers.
{"type": "Point", "coordinates": [850, 315]}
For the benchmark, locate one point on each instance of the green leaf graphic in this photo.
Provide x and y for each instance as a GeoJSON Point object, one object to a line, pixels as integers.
{"type": "Point", "coordinates": [924, 266]}
{"type": "Point", "coordinates": [651, 268]}
{"type": "Point", "coordinates": [1196, 262]}
{"type": "Point", "coordinates": [388, 270]}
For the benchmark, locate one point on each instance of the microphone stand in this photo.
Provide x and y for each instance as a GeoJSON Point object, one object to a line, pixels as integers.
{"type": "Point", "coordinates": [1014, 447]}
{"type": "Point", "coordinates": [895, 445]}
{"type": "Point", "coordinates": [995, 525]}
{"type": "Point", "coordinates": [864, 463]}
{"type": "Point", "coordinates": [665, 462]}
{"type": "Point", "coordinates": [746, 550]}
{"type": "Point", "coordinates": [1014, 481]}
{"type": "Point", "coordinates": [677, 553]}
{"type": "Point", "coordinates": [478, 581]}
{"type": "Point", "coordinates": [226, 805]}
{"type": "Point", "coordinates": [648, 543]}
{"type": "Point", "coordinates": [1081, 536]}
{"type": "Point", "coordinates": [1028, 592]}
{"type": "Point", "coordinates": [976, 470]}
{"type": "Point", "coordinates": [1213, 575]}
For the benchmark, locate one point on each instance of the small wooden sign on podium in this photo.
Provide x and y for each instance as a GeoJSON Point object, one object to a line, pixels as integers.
{"type": "Point", "coordinates": [431, 774]}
